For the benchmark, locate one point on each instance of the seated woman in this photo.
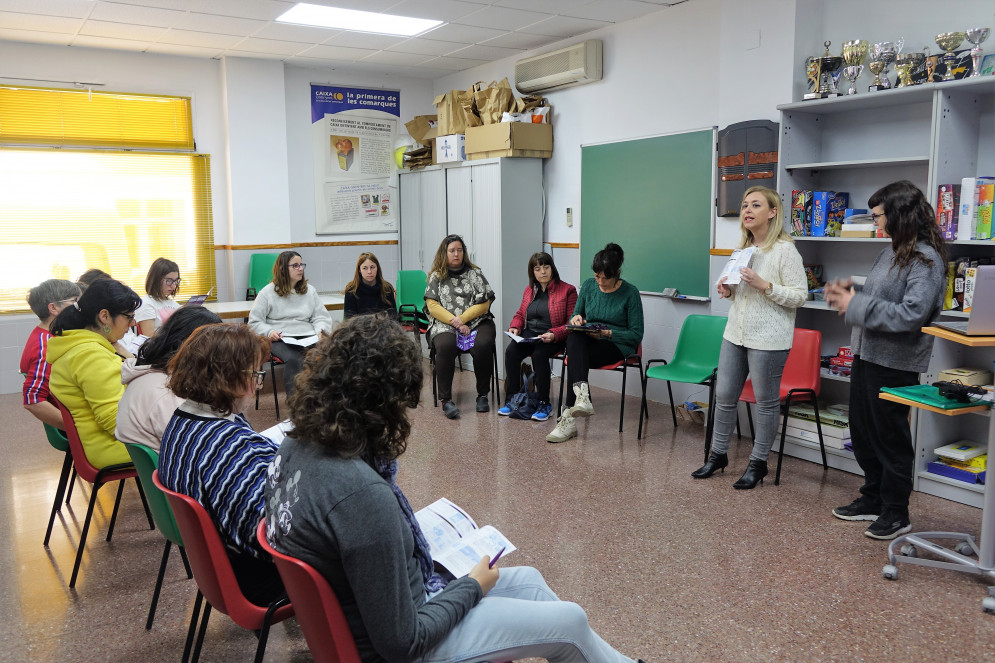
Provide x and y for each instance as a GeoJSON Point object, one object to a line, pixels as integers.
{"type": "Point", "coordinates": [86, 365]}
{"type": "Point", "coordinates": [332, 500]}
{"type": "Point", "coordinates": [368, 292]}
{"type": "Point", "coordinates": [614, 303]}
{"type": "Point", "coordinates": [161, 283]}
{"type": "Point", "coordinates": [458, 298]}
{"type": "Point", "coordinates": [147, 404]}
{"type": "Point", "coordinates": [288, 309]}
{"type": "Point", "coordinates": [210, 452]}
{"type": "Point", "coordinates": [546, 305]}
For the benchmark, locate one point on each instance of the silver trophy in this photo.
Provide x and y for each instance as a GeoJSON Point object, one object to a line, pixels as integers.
{"type": "Point", "coordinates": [976, 36]}
{"type": "Point", "coordinates": [854, 53]}
{"type": "Point", "coordinates": [883, 52]}
{"type": "Point", "coordinates": [949, 42]}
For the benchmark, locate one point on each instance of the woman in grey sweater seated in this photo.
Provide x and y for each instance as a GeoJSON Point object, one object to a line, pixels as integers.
{"type": "Point", "coordinates": [332, 500]}
{"type": "Point", "coordinates": [903, 292]}
{"type": "Point", "coordinates": [289, 312]}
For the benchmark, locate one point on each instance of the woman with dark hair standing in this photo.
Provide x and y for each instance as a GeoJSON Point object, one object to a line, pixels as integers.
{"type": "Point", "coordinates": [287, 311]}
{"type": "Point", "coordinates": [615, 304]}
{"type": "Point", "coordinates": [546, 304]}
{"type": "Point", "coordinates": [903, 292]}
{"type": "Point", "coordinates": [161, 283]}
{"type": "Point", "coordinates": [209, 451]}
{"type": "Point", "coordinates": [368, 292]}
{"type": "Point", "coordinates": [86, 365]}
{"type": "Point", "coordinates": [147, 404]}
{"type": "Point", "coordinates": [458, 298]}
{"type": "Point", "coordinates": [332, 500]}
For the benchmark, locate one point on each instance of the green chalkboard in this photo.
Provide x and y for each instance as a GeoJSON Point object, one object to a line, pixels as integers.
{"type": "Point", "coordinates": [652, 197]}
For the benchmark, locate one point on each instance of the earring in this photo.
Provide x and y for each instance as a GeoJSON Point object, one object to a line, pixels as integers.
{"type": "Point", "coordinates": [106, 329]}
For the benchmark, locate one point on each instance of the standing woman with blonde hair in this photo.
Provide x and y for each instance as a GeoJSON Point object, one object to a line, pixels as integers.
{"type": "Point", "coordinates": [288, 310]}
{"type": "Point", "coordinates": [758, 334]}
{"type": "Point", "coordinates": [368, 292]}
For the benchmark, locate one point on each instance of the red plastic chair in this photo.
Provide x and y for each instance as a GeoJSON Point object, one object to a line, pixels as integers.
{"type": "Point", "coordinates": [632, 361]}
{"type": "Point", "coordinates": [800, 383]}
{"type": "Point", "coordinates": [98, 477]}
{"type": "Point", "coordinates": [215, 578]}
{"type": "Point", "coordinates": [318, 611]}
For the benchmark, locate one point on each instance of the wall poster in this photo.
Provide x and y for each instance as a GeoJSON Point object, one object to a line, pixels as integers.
{"type": "Point", "coordinates": [353, 132]}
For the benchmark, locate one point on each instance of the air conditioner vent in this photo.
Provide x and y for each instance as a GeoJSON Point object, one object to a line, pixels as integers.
{"type": "Point", "coordinates": [574, 65]}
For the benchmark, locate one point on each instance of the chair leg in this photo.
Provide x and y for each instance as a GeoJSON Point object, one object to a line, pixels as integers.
{"type": "Point", "coordinates": [563, 379]}
{"type": "Point", "coordinates": [267, 621]}
{"type": "Point", "coordinates": [186, 562]}
{"type": "Point", "coordinates": [780, 451]}
{"type": "Point", "coordinates": [117, 505]}
{"type": "Point", "coordinates": [67, 467]}
{"type": "Point", "coordinates": [621, 407]}
{"type": "Point", "coordinates": [710, 420]}
{"type": "Point", "coordinates": [82, 536]}
{"type": "Point", "coordinates": [158, 585]}
{"type": "Point", "coordinates": [497, 384]}
{"type": "Point", "coordinates": [818, 426]}
{"type": "Point", "coordinates": [201, 632]}
{"type": "Point", "coordinates": [673, 408]}
{"type": "Point", "coordinates": [739, 433]}
{"type": "Point", "coordinates": [276, 397]}
{"type": "Point", "coordinates": [72, 482]}
{"type": "Point", "coordinates": [194, 617]}
{"type": "Point", "coordinates": [642, 411]}
{"type": "Point", "coordinates": [145, 503]}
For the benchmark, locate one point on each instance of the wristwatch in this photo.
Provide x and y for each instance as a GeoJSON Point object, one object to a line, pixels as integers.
{"type": "Point", "coordinates": [769, 290]}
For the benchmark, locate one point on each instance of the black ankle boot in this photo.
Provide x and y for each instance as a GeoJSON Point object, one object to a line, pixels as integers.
{"type": "Point", "coordinates": [715, 462]}
{"type": "Point", "coordinates": [754, 474]}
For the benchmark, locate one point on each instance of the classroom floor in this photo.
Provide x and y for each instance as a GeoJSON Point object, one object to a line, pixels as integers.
{"type": "Point", "coordinates": [668, 568]}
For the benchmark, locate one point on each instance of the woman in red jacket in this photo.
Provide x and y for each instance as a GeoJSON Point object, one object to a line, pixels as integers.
{"type": "Point", "coordinates": [546, 306]}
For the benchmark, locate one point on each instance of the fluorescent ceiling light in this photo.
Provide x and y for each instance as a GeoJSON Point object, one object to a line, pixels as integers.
{"type": "Point", "coordinates": [350, 19]}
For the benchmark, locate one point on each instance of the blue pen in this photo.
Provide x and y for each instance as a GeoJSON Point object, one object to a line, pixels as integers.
{"type": "Point", "coordinates": [496, 558]}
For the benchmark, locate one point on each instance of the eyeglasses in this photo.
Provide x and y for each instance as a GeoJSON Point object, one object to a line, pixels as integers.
{"type": "Point", "coordinates": [172, 281]}
{"type": "Point", "coordinates": [874, 217]}
{"type": "Point", "coordinates": [131, 318]}
{"type": "Point", "coordinates": [260, 377]}
{"type": "Point", "coordinates": [297, 265]}
{"type": "Point", "coordinates": [67, 302]}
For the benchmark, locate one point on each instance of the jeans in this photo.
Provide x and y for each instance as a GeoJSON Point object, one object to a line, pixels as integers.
{"type": "Point", "coordinates": [764, 368]}
{"type": "Point", "coordinates": [522, 618]}
{"type": "Point", "coordinates": [483, 362]}
{"type": "Point", "coordinates": [583, 352]}
{"type": "Point", "coordinates": [541, 353]}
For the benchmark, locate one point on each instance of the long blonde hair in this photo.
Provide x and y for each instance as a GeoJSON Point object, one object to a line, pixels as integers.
{"type": "Point", "coordinates": [775, 227]}
{"type": "Point", "coordinates": [440, 265]}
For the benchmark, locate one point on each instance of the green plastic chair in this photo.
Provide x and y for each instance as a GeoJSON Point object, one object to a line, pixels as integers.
{"type": "Point", "coordinates": [695, 361]}
{"type": "Point", "coordinates": [146, 462]}
{"type": "Point", "coordinates": [260, 272]}
{"type": "Point", "coordinates": [59, 441]}
{"type": "Point", "coordinates": [411, 301]}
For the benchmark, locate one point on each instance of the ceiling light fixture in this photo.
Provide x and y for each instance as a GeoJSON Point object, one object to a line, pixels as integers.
{"type": "Point", "coordinates": [359, 21]}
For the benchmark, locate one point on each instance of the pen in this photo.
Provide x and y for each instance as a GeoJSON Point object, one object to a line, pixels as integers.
{"type": "Point", "coordinates": [496, 558]}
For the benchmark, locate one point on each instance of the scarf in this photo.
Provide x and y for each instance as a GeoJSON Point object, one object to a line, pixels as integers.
{"type": "Point", "coordinates": [433, 581]}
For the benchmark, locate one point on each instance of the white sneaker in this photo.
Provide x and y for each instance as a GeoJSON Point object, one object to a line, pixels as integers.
{"type": "Point", "coordinates": [565, 428]}
{"type": "Point", "coordinates": [582, 405]}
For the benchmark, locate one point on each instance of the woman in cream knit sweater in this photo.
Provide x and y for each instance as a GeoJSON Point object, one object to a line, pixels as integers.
{"type": "Point", "coordinates": [758, 334]}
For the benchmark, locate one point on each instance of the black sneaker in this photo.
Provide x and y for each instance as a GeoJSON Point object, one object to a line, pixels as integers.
{"type": "Point", "coordinates": [482, 404]}
{"type": "Point", "coordinates": [888, 527]}
{"type": "Point", "coordinates": [857, 510]}
{"type": "Point", "coordinates": [450, 410]}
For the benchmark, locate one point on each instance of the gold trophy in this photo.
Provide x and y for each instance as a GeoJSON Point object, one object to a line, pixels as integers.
{"type": "Point", "coordinates": [949, 42]}
{"type": "Point", "coordinates": [876, 66]}
{"type": "Point", "coordinates": [854, 53]}
{"type": "Point", "coordinates": [906, 63]}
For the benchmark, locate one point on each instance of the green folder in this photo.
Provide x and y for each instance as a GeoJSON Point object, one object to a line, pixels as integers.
{"type": "Point", "coordinates": [929, 395]}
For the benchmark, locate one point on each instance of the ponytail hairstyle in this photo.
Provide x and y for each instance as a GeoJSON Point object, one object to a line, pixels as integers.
{"type": "Point", "coordinates": [158, 350]}
{"type": "Point", "coordinates": [608, 261]}
{"type": "Point", "coordinates": [386, 289]}
{"type": "Point", "coordinates": [114, 296]}
{"type": "Point", "coordinates": [909, 219]}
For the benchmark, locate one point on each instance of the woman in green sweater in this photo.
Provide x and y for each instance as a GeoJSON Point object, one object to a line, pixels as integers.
{"type": "Point", "coordinates": [615, 305]}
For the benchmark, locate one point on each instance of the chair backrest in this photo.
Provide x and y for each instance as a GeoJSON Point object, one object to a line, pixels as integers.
{"type": "Point", "coordinates": [411, 287]}
{"type": "Point", "coordinates": [84, 468]}
{"type": "Point", "coordinates": [146, 462]}
{"type": "Point", "coordinates": [318, 610]}
{"type": "Point", "coordinates": [56, 437]}
{"type": "Point", "coordinates": [261, 269]}
{"type": "Point", "coordinates": [211, 567]}
{"type": "Point", "coordinates": [700, 341]}
{"type": "Point", "coordinates": [802, 368]}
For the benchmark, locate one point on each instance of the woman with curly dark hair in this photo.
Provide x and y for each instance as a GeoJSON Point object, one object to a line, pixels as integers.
{"type": "Point", "coordinates": [332, 501]}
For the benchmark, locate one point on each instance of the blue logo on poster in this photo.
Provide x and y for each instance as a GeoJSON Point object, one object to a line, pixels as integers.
{"type": "Point", "coordinates": [326, 100]}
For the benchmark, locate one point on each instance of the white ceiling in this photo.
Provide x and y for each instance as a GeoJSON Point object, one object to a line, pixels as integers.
{"type": "Point", "coordinates": [474, 32]}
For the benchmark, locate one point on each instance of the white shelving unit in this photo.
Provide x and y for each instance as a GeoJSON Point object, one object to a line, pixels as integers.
{"type": "Point", "coordinates": [929, 134]}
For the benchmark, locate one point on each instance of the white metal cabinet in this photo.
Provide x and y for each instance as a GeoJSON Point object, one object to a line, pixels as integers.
{"type": "Point", "coordinates": [423, 216]}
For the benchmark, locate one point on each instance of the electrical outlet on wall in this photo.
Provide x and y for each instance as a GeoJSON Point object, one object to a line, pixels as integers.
{"type": "Point", "coordinates": [570, 217]}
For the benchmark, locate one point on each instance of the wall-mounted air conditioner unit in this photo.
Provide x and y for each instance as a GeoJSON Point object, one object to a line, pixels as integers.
{"type": "Point", "coordinates": [573, 65]}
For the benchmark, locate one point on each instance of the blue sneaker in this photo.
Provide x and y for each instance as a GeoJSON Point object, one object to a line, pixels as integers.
{"type": "Point", "coordinates": [505, 410]}
{"type": "Point", "coordinates": [542, 414]}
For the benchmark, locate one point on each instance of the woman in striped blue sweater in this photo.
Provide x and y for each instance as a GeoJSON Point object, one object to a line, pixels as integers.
{"type": "Point", "coordinates": [210, 452]}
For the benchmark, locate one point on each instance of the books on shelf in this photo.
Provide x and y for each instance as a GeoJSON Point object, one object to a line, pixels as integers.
{"type": "Point", "coordinates": [827, 212]}
{"type": "Point", "coordinates": [967, 475]}
{"type": "Point", "coordinates": [813, 436]}
{"type": "Point", "coordinates": [828, 430]}
{"type": "Point", "coordinates": [961, 450]}
{"type": "Point", "coordinates": [947, 208]}
{"type": "Point", "coordinates": [828, 416]}
{"type": "Point", "coordinates": [455, 540]}
{"type": "Point", "coordinates": [974, 217]}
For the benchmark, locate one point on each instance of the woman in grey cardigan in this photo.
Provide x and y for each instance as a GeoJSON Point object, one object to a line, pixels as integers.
{"type": "Point", "coordinates": [903, 292]}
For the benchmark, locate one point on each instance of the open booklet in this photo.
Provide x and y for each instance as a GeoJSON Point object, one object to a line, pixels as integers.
{"type": "Point", "coordinates": [740, 258]}
{"type": "Point", "coordinates": [306, 342]}
{"type": "Point", "coordinates": [521, 339]}
{"type": "Point", "coordinates": [455, 541]}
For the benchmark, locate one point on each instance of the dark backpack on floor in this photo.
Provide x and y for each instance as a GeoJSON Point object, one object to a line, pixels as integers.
{"type": "Point", "coordinates": [524, 403]}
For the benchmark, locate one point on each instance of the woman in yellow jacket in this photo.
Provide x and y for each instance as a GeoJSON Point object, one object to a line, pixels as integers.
{"type": "Point", "coordinates": [86, 365]}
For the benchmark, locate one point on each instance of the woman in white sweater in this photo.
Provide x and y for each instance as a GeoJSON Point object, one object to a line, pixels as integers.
{"type": "Point", "coordinates": [758, 334]}
{"type": "Point", "coordinates": [290, 314]}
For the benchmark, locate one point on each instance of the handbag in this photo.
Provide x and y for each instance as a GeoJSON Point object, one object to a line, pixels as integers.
{"type": "Point", "coordinates": [525, 402]}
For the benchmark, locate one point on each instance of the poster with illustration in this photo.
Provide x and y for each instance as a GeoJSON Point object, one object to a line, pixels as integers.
{"type": "Point", "coordinates": [353, 131]}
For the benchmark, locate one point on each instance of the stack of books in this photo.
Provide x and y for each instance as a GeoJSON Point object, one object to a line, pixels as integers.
{"type": "Point", "coordinates": [964, 211]}
{"type": "Point", "coordinates": [835, 420]}
{"type": "Point", "coordinates": [965, 461]}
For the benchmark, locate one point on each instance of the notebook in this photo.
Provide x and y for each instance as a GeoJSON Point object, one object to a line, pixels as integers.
{"type": "Point", "coordinates": [981, 319]}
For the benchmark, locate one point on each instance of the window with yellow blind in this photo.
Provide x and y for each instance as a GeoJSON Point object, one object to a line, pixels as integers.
{"type": "Point", "coordinates": [100, 180]}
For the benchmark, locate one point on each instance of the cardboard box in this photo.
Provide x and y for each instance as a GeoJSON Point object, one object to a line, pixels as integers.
{"type": "Point", "coordinates": [971, 376]}
{"type": "Point", "coordinates": [509, 139]}
{"type": "Point", "coordinates": [812, 436]}
{"type": "Point", "coordinates": [827, 212]}
{"type": "Point", "coordinates": [936, 467]}
{"type": "Point", "coordinates": [449, 149]}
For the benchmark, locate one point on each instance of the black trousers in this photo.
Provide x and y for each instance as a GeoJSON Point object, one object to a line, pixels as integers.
{"type": "Point", "coordinates": [293, 361]}
{"type": "Point", "coordinates": [882, 440]}
{"type": "Point", "coordinates": [583, 352]}
{"type": "Point", "coordinates": [541, 353]}
{"type": "Point", "coordinates": [483, 364]}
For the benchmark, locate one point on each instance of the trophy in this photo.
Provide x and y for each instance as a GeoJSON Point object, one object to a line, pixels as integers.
{"type": "Point", "coordinates": [854, 53]}
{"type": "Point", "coordinates": [885, 53]}
{"type": "Point", "coordinates": [949, 42]}
{"type": "Point", "coordinates": [976, 36]}
{"type": "Point", "coordinates": [906, 63]}
{"type": "Point", "coordinates": [829, 69]}
{"type": "Point", "coordinates": [876, 67]}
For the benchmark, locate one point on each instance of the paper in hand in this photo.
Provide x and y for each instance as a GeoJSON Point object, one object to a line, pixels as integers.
{"type": "Point", "coordinates": [740, 258]}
